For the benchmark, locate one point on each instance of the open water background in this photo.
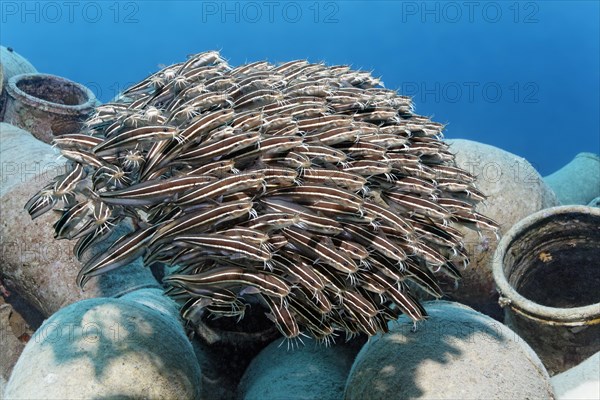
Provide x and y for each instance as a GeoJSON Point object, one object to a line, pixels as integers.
{"type": "Point", "coordinates": [520, 75]}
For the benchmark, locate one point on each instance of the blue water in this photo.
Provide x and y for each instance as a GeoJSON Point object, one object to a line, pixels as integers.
{"type": "Point", "coordinates": [523, 76]}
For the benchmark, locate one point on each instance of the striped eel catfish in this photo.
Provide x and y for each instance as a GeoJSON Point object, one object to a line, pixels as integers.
{"type": "Point", "coordinates": [308, 189]}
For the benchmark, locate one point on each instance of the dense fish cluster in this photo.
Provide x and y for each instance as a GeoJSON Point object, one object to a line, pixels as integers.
{"type": "Point", "coordinates": [307, 188]}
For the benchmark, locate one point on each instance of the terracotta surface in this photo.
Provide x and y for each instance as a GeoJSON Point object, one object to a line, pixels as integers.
{"type": "Point", "coordinates": [514, 190]}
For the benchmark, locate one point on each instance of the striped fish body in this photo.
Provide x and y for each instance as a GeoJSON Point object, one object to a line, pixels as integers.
{"type": "Point", "coordinates": [224, 244]}
{"type": "Point", "coordinates": [231, 184]}
{"type": "Point", "coordinates": [202, 220]}
{"type": "Point", "coordinates": [323, 251]}
{"type": "Point", "coordinates": [269, 285]}
{"type": "Point", "coordinates": [307, 190]}
{"type": "Point", "coordinates": [155, 191]}
{"type": "Point", "coordinates": [121, 253]}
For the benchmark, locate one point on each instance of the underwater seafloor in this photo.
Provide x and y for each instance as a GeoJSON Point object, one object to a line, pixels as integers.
{"type": "Point", "coordinates": [122, 337]}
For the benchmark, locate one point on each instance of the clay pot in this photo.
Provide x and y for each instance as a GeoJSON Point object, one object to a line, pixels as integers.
{"type": "Point", "coordinates": [457, 353]}
{"type": "Point", "coordinates": [547, 269]}
{"type": "Point", "coordinates": [225, 348]}
{"type": "Point", "coordinates": [47, 105]}
{"type": "Point", "coordinates": [579, 383]}
{"type": "Point", "coordinates": [11, 64]}
{"type": "Point", "coordinates": [310, 371]}
{"type": "Point", "coordinates": [131, 347]}
{"type": "Point", "coordinates": [514, 190]}
{"type": "Point", "coordinates": [578, 182]}
{"type": "Point", "coordinates": [41, 269]}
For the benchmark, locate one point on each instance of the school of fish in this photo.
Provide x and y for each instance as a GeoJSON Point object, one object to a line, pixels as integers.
{"type": "Point", "coordinates": [306, 188]}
